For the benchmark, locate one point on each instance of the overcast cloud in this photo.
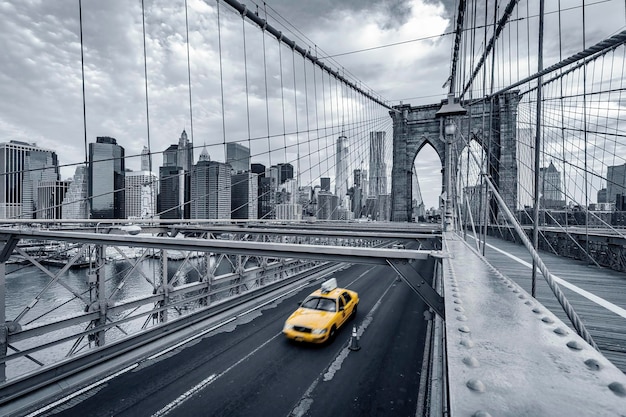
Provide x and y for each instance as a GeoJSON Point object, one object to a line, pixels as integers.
{"type": "Point", "coordinates": [41, 88]}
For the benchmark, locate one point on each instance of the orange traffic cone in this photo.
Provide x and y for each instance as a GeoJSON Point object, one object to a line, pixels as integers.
{"type": "Point", "coordinates": [354, 340]}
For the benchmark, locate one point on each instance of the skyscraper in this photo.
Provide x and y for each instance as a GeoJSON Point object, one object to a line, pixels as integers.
{"type": "Point", "coordinates": [141, 194]}
{"type": "Point", "coordinates": [551, 188]}
{"type": "Point", "coordinates": [341, 169]}
{"type": "Point", "coordinates": [177, 165]}
{"type": "Point", "coordinates": [238, 156]}
{"type": "Point", "coordinates": [210, 189]}
{"type": "Point", "coordinates": [75, 202]}
{"type": "Point", "coordinates": [616, 182]}
{"type": "Point", "coordinates": [22, 167]}
{"type": "Point", "coordinates": [106, 179]}
{"type": "Point", "coordinates": [377, 169]}
{"type": "Point", "coordinates": [244, 195]}
{"type": "Point", "coordinates": [50, 196]}
{"type": "Point", "coordinates": [145, 159]}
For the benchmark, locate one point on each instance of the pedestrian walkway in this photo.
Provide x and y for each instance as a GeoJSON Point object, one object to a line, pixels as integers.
{"type": "Point", "coordinates": [598, 295]}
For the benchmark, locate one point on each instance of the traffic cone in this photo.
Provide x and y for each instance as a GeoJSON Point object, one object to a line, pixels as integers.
{"type": "Point", "coordinates": [354, 340]}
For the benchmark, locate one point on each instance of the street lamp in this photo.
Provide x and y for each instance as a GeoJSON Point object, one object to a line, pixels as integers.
{"type": "Point", "coordinates": [447, 111]}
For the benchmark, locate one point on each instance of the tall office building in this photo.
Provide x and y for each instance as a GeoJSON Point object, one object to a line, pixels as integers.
{"type": "Point", "coordinates": [378, 168]}
{"type": "Point", "coordinates": [238, 156]}
{"type": "Point", "coordinates": [210, 189]}
{"type": "Point", "coordinates": [244, 196]}
{"type": "Point", "coordinates": [50, 196]}
{"type": "Point", "coordinates": [141, 195]}
{"type": "Point", "coordinates": [341, 169]}
{"type": "Point", "coordinates": [325, 184]}
{"type": "Point", "coordinates": [177, 165]}
{"type": "Point", "coordinates": [145, 159]}
{"type": "Point", "coordinates": [616, 182]}
{"type": "Point", "coordinates": [75, 202]}
{"type": "Point", "coordinates": [327, 205]}
{"type": "Point", "coordinates": [22, 167]}
{"type": "Point", "coordinates": [551, 188]}
{"type": "Point", "coordinates": [106, 179]}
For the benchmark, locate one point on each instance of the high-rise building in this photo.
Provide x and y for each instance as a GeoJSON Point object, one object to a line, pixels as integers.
{"type": "Point", "coordinates": [325, 184]}
{"type": "Point", "coordinates": [244, 196]}
{"type": "Point", "coordinates": [50, 196]}
{"type": "Point", "coordinates": [341, 169]}
{"type": "Point", "coordinates": [616, 182]}
{"type": "Point", "coordinates": [22, 167]}
{"type": "Point", "coordinates": [145, 159]}
{"type": "Point", "coordinates": [267, 198]}
{"type": "Point", "coordinates": [282, 172]}
{"type": "Point", "coordinates": [141, 195]}
{"type": "Point", "coordinates": [75, 202]}
{"type": "Point", "coordinates": [602, 196]}
{"type": "Point", "coordinates": [211, 189]}
{"type": "Point", "coordinates": [238, 156]}
{"type": "Point", "coordinates": [170, 183]}
{"type": "Point", "coordinates": [106, 179]}
{"type": "Point", "coordinates": [327, 204]}
{"type": "Point", "coordinates": [551, 189]}
{"type": "Point", "coordinates": [377, 168]}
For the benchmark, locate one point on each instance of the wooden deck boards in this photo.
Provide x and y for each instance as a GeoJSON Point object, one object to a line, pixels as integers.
{"type": "Point", "coordinates": [607, 328]}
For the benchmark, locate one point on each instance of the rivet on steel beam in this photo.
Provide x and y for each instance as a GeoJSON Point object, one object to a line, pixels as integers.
{"type": "Point", "coordinates": [461, 318]}
{"type": "Point", "coordinates": [561, 331]}
{"type": "Point", "coordinates": [528, 303]}
{"type": "Point", "coordinates": [467, 342]}
{"type": "Point", "coordinates": [593, 364]}
{"type": "Point", "coordinates": [456, 295]}
{"type": "Point", "coordinates": [457, 301]}
{"type": "Point", "coordinates": [464, 329]}
{"type": "Point", "coordinates": [547, 319]}
{"type": "Point", "coordinates": [475, 385]}
{"type": "Point", "coordinates": [521, 296]}
{"type": "Point", "coordinates": [471, 361]}
{"type": "Point", "coordinates": [618, 389]}
{"type": "Point", "coordinates": [459, 309]}
{"type": "Point", "coordinates": [536, 310]}
{"type": "Point", "coordinates": [515, 290]}
{"type": "Point", "coordinates": [574, 345]}
{"type": "Point", "coordinates": [481, 413]}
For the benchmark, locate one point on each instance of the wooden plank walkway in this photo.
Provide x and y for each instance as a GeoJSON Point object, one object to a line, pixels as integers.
{"type": "Point", "coordinates": [608, 328]}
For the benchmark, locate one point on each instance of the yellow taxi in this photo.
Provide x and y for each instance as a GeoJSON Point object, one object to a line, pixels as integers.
{"type": "Point", "coordinates": [321, 314]}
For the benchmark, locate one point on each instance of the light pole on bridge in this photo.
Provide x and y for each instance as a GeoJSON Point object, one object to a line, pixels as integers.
{"type": "Point", "coordinates": [447, 134]}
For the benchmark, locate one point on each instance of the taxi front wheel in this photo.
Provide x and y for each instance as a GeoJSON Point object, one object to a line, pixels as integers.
{"type": "Point", "coordinates": [332, 334]}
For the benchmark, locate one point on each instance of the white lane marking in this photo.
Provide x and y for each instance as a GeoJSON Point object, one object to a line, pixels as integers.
{"type": "Point", "coordinates": [306, 400]}
{"type": "Point", "coordinates": [185, 396]}
{"type": "Point", "coordinates": [81, 391]}
{"type": "Point", "coordinates": [225, 322]}
{"type": "Point", "coordinates": [590, 296]}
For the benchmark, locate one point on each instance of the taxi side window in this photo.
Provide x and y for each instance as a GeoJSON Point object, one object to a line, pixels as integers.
{"type": "Point", "coordinates": [346, 296]}
{"type": "Point", "coordinates": [341, 303]}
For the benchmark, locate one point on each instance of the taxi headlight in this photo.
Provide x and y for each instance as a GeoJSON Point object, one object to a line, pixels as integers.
{"type": "Point", "coordinates": [288, 327]}
{"type": "Point", "coordinates": [318, 331]}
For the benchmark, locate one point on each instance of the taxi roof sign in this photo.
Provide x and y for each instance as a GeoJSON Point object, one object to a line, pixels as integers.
{"type": "Point", "coordinates": [329, 285]}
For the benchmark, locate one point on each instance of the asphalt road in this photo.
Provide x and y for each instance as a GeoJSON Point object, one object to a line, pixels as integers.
{"type": "Point", "coordinates": [250, 369]}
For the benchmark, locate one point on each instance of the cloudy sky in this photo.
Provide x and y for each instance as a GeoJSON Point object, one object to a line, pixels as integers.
{"type": "Point", "coordinates": [41, 87]}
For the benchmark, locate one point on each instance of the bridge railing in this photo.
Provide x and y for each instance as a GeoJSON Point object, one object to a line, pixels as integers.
{"type": "Point", "coordinates": [57, 320]}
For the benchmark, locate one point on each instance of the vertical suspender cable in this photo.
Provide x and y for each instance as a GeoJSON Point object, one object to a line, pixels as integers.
{"type": "Point", "coordinates": [585, 141]}
{"type": "Point", "coordinates": [538, 127]}
{"type": "Point", "coordinates": [145, 74]}
{"type": "Point", "coordinates": [295, 103]}
{"type": "Point", "coordinates": [219, 43]}
{"type": "Point", "coordinates": [188, 76]}
{"type": "Point", "coordinates": [308, 125]}
{"type": "Point", "coordinates": [82, 69]}
{"type": "Point", "coordinates": [267, 100]}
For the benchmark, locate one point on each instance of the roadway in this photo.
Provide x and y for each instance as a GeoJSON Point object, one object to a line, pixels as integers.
{"type": "Point", "coordinates": [248, 368]}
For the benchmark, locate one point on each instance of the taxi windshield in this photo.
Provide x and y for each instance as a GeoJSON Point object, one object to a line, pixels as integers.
{"type": "Point", "coordinates": [319, 303]}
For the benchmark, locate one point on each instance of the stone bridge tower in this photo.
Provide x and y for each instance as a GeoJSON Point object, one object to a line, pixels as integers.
{"type": "Point", "coordinates": [414, 127]}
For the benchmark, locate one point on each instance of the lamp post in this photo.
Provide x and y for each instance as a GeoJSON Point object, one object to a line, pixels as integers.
{"type": "Point", "coordinates": [447, 111]}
